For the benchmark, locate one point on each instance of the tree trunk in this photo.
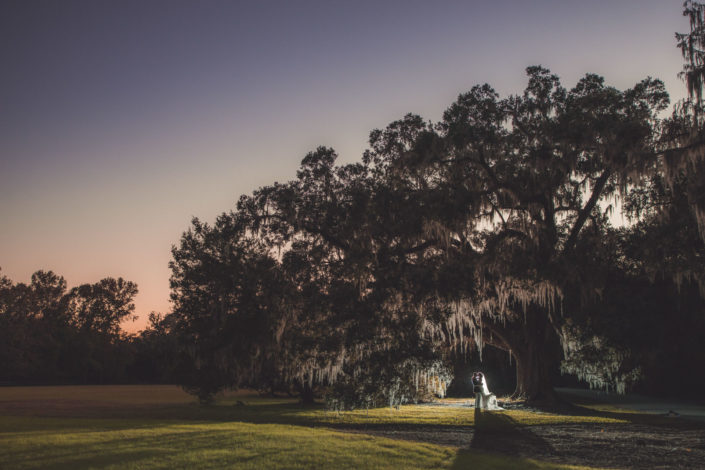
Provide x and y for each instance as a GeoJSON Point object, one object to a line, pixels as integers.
{"type": "Point", "coordinates": [534, 345]}
{"type": "Point", "coordinates": [536, 356]}
{"type": "Point", "coordinates": [534, 366]}
{"type": "Point", "coordinates": [306, 394]}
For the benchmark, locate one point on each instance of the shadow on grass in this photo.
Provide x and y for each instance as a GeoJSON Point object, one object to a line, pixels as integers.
{"type": "Point", "coordinates": [498, 432]}
{"type": "Point", "coordinates": [496, 437]}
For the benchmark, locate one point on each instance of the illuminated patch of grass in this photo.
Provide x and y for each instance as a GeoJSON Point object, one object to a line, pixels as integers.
{"type": "Point", "coordinates": [405, 415]}
{"type": "Point", "coordinates": [429, 415]}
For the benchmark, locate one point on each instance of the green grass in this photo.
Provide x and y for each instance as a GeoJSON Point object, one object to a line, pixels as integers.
{"type": "Point", "coordinates": [140, 444]}
{"type": "Point", "coordinates": [141, 427]}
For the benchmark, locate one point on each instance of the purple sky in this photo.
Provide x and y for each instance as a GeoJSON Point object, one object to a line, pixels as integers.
{"type": "Point", "coordinates": [121, 120]}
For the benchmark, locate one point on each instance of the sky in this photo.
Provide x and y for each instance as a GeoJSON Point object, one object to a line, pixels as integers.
{"type": "Point", "coordinates": [122, 120]}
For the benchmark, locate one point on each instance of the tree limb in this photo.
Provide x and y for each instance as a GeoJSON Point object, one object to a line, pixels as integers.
{"type": "Point", "coordinates": [585, 211]}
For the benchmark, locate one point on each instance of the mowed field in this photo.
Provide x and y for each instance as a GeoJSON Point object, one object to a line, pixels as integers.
{"type": "Point", "coordinates": [143, 427]}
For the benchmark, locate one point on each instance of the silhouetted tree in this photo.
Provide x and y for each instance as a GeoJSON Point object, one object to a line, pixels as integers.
{"type": "Point", "coordinates": [474, 231]}
{"type": "Point", "coordinates": [352, 258]}
{"type": "Point", "coordinates": [33, 317]}
{"type": "Point", "coordinates": [663, 255]}
{"type": "Point", "coordinates": [50, 335]}
{"type": "Point", "coordinates": [100, 307]}
{"type": "Point", "coordinates": [514, 186]}
{"type": "Point", "coordinates": [225, 287]}
{"type": "Point", "coordinates": [684, 134]}
{"type": "Point", "coordinates": [155, 351]}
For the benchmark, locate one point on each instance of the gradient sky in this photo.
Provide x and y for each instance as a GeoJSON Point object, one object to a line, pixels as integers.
{"type": "Point", "coordinates": [121, 120]}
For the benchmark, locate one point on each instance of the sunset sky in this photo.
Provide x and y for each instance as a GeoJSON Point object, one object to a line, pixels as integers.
{"type": "Point", "coordinates": [121, 120]}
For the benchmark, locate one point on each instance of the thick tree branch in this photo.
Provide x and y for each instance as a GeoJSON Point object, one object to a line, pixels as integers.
{"type": "Point", "coordinates": [586, 210]}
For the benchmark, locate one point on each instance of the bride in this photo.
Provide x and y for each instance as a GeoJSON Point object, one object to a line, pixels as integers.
{"type": "Point", "coordinates": [484, 399]}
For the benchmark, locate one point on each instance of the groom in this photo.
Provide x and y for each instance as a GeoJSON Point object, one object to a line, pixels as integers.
{"type": "Point", "coordinates": [483, 398]}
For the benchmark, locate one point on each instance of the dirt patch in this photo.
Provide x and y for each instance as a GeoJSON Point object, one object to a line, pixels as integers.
{"type": "Point", "coordinates": [624, 445]}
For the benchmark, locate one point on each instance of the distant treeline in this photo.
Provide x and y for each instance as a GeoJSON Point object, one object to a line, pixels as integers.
{"type": "Point", "coordinates": [53, 335]}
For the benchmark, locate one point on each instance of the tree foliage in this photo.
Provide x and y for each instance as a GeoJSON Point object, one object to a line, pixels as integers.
{"type": "Point", "coordinates": [475, 230]}
{"type": "Point", "coordinates": [225, 288]}
{"type": "Point", "coordinates": [684, 134]}
{"type": "Point", "coordinates": [49, 334]}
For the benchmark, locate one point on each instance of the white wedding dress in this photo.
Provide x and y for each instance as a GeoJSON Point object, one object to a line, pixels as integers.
{"type": "Point", "coordinates": [484, 399]}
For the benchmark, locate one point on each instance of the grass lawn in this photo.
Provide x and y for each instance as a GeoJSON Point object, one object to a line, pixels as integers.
{"type": "Point", "coordinates": [161, 427]}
